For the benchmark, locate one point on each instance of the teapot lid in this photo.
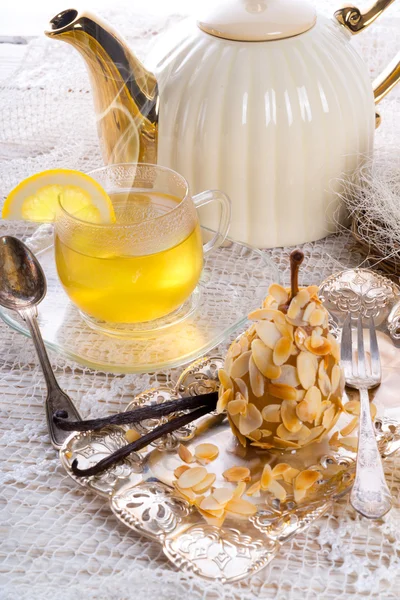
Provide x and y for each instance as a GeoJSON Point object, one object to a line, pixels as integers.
{"type": "Point", "coordinates": [258, 20]}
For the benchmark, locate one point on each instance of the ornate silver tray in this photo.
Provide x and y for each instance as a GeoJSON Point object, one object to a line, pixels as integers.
{"type": "Point", "coordinates": [141, 495]}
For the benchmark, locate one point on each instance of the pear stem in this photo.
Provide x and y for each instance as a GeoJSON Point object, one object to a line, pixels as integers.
{"type": "Point", "coordinates": [296, 258]}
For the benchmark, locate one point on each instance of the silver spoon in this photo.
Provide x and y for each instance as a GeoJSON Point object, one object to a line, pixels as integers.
{"type": "Point", "coordinates": [22, 287]}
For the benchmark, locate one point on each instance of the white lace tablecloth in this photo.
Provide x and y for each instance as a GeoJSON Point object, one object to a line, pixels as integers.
{"type": "Point", "coordinates": [58, 541]}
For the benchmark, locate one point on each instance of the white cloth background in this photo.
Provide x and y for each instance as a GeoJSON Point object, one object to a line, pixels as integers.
{"type": "Point", "coordinates": [58, 541]}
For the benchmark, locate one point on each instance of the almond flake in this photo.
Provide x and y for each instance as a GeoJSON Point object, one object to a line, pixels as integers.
{"type": "Point", "coordinates": [206, 452]}
{"type": "Point", "coordinates": [307, 367]}
{"type": "Point", "coordinates": [266, 313]}
{"type": "Point", "coordinates": [313, 291]}
{"type": "Point", "coordinates": [256, 379]}
{"type": "Point", "coordinates": [306, 479]}
{"type": "Point", "coordinates": [303, 297]}
{"type": "Point", "coordinates": [310, 309]}
{"type": "Point", "coordinates": [185, 454]}
{"type": "Point", "coordinates": [293, 310]}
{"type": "Point", "coordinates": [325, 404]}
{"type": "Point", "coordinates": [352, 407]}
{"type": "Point", "coordinates": [317, 317]}
{"type": "Point", "coordinates": [212, 519]}
{"type": "Point", "coordinates": [290, 474]}
{"type": "Point", "coordinates": [239, 490]}
{"type": "Point", "coordinates": [204, 485]}
{"type": "Point", "coordinates": [335, 378]}
{"type": "Point", "coordinates": [192, 477]}
{"type": "Point", "coordinates": [132, 435]}
{"type": "Point", "coordinates": [270, 302]}
{"type": "Point", "coordinates": [237, 433]}
{"type": "Point", "coordinates": [240, 366]}
{"type": "Point", "coordinates": [309, 408]}
{"type": "Point", "coordinates": [316, 338]}
{"type": "Point", "coordinates": [287, 435]}
{"type": "Point", "coordinates": [322, 350]}
{"type": "Point", "coordinates": [225, 380]}
{"type": "Point", "coordinates": [262, 445]}
{"type": "Point", "coordinates": [288, 376]}
{"type": "Point", "coordinates": [272, 413]}
{"type": "Point", "coordinates": [334, 440]}
{"type": "Point", "coordinates": [223, 400]}
{"type": "Point", "coordinates": [262, 356]}
{"type": "Point", "coordinates": [209, 503]}
{"type": "Point", "coordinates": [244, 342]}
{"type": "Point", "coordinates": [240, 507]}
{"type": "Point", "coordinates": [187, 494]}
{"type": "Point", "coordinates": [285, 329]}
{"type": "Point", "coordinates": [299, 495]}
{"type": "Point", "coordinates": [237, 407]}
{"type": "Point", "coordinates": [280, 443]}
{"type": "Point", "coordinates": [328, 417]}
{"type": "Point", "coordinates": [279, 293]}
{"type": "Point", "coordinates": [282, 350]}
{"type": "Point", "coordinates": [235, 350]}
{"type": "Point", "coordinates": [179, 470]}
{"type": "Point", "coordinates": [265, 432]}
{"type": "Point", "coordinates": [349, 427]}
{"type": "Point", "coordinates": [315, 432]}
{"type": "Point", "coordinates": [303, 434]}
{"type": "Point", "coordinates": [251, 421]}
{"type": "Point", "coordinates": [223, 495]}
{"type": "Point", "coordinates": [268, 333]}
{"type": "Point", "coordinates": [300, 337]}
{"type": "Point", "coordinates": [289, 416]}
{"type": "Point", "coordinates": [266, 477]}
{"type": "Point", "coordinates": [335, 350]}
{"type": "Point", "coordinates": [235, 474]}
{"type": "Point", "coordinates": [350, 443]}
{"type": "Point", "coordinates": [277, 490]}
{"type": "Point", "coordinates": [282, 391]}
{"type": "Point", "coordinates": [228, 362]}
{"type": "Point", "coordinates": [300, 395]}
{"type": "Point", "coordinates": [254, 489]}
{"type": "Point", "coordinates": [279, 470]}
{"type": "Point", "coordinates": [242, 387]}
{"type": "Point", "coordinates": [255, 435]}
{"type": "Point", "coordinates": [324, 383]}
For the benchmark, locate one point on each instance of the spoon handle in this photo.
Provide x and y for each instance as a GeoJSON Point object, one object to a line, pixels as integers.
{"type": "Point", "coordinates": [56, 398]}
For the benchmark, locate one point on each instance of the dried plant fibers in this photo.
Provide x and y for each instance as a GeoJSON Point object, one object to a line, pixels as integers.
{"type": "Point", "coordinates": [372, 197]}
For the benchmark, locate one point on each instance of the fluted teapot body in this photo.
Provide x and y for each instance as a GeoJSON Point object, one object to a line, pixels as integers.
{"type": "Point", "coordinates": [263, 99]}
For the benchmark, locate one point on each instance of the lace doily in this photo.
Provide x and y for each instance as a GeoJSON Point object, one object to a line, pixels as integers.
{"type": "Point", "coordinates": [60, 542]}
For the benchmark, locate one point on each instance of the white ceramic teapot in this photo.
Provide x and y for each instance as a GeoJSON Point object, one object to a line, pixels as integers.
{"type": "Point", "coordinates": [263, 99]}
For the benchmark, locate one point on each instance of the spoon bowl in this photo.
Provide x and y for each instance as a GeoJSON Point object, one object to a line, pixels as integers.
{"type": "Point", "coordinates": [22, 287]}
{"type": "Point", "coordinates": [22, 281]}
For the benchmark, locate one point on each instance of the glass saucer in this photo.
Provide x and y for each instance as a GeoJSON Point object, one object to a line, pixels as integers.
{"type": "Point", "coordinates": [235, 280]}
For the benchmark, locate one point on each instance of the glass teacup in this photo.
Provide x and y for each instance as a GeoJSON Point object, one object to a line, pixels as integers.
{"type": "Point", "coordinates": [145, 265]}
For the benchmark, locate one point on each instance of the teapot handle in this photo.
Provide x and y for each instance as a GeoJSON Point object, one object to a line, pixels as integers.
{"type": "Point", "coordinates": [387, 79]}
{"type": "Point", "coordinates": [355, 21]}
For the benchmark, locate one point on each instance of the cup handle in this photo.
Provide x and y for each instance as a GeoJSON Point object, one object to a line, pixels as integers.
{"type": "Point", "coordinates": [224, 220]}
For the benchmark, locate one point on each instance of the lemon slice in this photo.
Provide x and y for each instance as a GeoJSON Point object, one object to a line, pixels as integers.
{"type": "Point", "coordinates": [37, 198]}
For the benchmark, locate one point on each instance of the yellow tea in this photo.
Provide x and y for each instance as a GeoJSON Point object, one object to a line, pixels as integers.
{"type": "Point", "coordinates": [108, 283]}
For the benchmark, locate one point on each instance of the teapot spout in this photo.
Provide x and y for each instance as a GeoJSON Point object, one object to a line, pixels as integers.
{"type": "Point", "coordinates": [125, 93]}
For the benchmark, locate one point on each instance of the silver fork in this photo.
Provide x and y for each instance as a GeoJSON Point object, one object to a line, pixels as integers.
{"type": "Point", "coordinates": [370, 495]}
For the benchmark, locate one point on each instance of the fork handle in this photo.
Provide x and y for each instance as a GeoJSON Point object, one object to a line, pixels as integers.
{"type": "Point", "coordinates": [370, 495]}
